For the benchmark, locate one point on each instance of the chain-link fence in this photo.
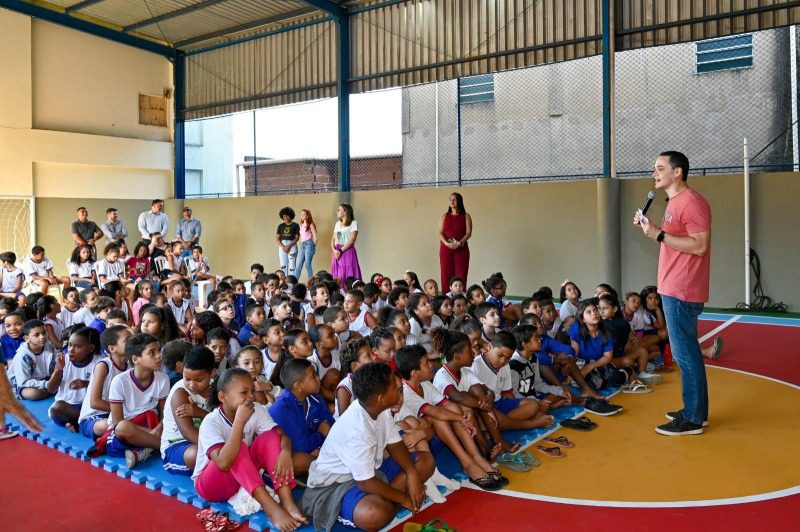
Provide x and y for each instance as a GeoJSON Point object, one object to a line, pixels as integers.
{"type": "Point", "coordinates": [544, 122]}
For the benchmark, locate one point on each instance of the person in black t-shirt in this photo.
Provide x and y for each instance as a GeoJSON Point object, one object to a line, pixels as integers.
{"type": "Point", "coordinates": [286, 236]}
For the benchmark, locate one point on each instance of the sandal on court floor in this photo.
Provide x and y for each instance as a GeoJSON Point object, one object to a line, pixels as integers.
{"type": "Point", "coordinates": [434, 525]}
{"type": "Point", "coordinates": [216, 522]}
{"type": "Point", "coordinates": [552, 452]}
{"type": "Point", "coordinates": [486, 483]}
{"type": "Point", "coordinates": [499, 478]}
{"type": "Point", "coordinates": [514, 462]}
{"type": "Point", "coordinates": [636, 386]}
{"type": "Point", "coordinates": [583, 424]}
{"type": "Point", "coordinates": [561, 441]}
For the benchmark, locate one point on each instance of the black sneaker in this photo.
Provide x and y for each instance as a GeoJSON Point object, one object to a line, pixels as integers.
{"type": "Point", "coordinates": [672, 416]}
{"type": "Point", "coordinates": [601, 407]}
{"type": "Point", "coordinates": [680, 426]}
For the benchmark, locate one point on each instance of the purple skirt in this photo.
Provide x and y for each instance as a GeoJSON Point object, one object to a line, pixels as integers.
{"type": "Point", "coordinates": [346, 266]}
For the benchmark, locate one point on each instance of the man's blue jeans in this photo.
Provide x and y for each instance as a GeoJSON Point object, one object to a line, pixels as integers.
{"type": "Point", "coordinates": [681, 319]}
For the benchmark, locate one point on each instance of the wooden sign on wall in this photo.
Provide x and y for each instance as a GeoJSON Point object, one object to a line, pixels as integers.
{"type": "Point", "coordinates": [152, 110]}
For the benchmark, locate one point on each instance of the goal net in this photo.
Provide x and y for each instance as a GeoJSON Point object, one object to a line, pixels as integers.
{"type": "Point", "coordinates": [16, 225]}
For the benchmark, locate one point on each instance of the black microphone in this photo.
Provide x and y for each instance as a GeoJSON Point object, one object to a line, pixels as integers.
{"type": "Point", "coordinates": [648, 202]}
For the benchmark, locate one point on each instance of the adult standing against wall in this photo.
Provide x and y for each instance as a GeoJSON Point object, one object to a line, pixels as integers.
{"type": "Point", "coordinates": [308, 244]}
{"type": "Point", "coordinates": [188, 231]}
{"type": "Point", "coordinates": [286, 236]}
{"type": "Point", "coordinates": [84, 231]}
{"type": "Point", "coordinates": [344, 262]}
{"type": "Point", "coordinates": [455, 229]}
{"type": "Point", "coordinates": [683, 282]}
{"type": "Point", "coordinates": [113, 228]}
{"type": "Point", "coordinates": [153, 221]}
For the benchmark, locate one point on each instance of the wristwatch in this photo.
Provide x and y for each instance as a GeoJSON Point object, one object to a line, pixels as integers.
{"type": "Point", "coordinates": [660, 237]}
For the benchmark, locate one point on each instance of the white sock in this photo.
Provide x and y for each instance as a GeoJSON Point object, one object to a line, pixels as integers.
{"type": "Point", "coordinates": [433, 492]}
{"type": "Point", "coordinates": [439, 479]}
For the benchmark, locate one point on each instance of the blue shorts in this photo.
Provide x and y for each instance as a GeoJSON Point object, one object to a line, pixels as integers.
{"type": "Point", "coordinates": [504, 405]}
{"type": "Point", "coordinates": [354, 495]}
{"type": "Point", "coordinates": [173, 459]}
{"type": "Point", "coordinates": [86, 427]}
{"type": "Point", "coordinates": [116, 448]}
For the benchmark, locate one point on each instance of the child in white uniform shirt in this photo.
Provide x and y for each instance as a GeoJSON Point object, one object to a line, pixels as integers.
{"type": "Point", "coordinates": [83, 352]}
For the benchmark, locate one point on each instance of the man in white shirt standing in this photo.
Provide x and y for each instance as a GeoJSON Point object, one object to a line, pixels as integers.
{"type": "Point", "coordinates": [113, 228]}
{"type": "Point", "coordinates": [188, 231]}
{"type": "Point", "coordinates": [153, 221]}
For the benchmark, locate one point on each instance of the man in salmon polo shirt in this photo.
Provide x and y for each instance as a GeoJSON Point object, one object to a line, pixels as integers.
{"type": "Point", "coordinates": [683, 271]}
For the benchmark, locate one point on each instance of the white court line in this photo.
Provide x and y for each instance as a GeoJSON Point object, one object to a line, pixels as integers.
{"type": "Point", "coordinates": [718, 329]}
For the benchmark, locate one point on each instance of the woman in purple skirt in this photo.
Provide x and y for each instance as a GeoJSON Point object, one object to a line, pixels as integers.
{"type": "Point", "coordinates": [344, 263]}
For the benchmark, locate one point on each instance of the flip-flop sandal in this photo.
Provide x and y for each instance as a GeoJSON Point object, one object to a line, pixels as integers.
{"type": "Point", "coordinates": [588, 421]}
{"type": "Point", "coordinates": [529, 459]}
{"type": "Point", "coordinates": [499, 478]}
{"type": "Point", "coordinates": [561, 441]}
{"type": "Point", "coordinates": [435, 525]}
{"type": "Point", "coordinates": [552, 452]}
{"type": "Point", "coordinates": [578, 424]}
{"type": "Point", "coordinates": [514, 462]}
{"type": "Point", "coordinates": [486, 483]}
{"type": "Point", "coordinates": [636, 386]}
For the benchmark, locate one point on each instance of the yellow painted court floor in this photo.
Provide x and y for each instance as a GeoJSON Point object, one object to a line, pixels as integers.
{"type": "Point", "coordinates": [750, 448]}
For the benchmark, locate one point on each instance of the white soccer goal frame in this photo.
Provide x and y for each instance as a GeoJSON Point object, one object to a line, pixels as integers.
{"type": "Point", "coordinates": [31, 222]}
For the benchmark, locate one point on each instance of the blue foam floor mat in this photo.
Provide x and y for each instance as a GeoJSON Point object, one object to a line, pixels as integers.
{"type": "Point", "coordinates": [153, 476]}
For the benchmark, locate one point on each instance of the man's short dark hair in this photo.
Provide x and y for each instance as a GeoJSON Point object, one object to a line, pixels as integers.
{"type": "Point", "coordinates": [371, 379]}
{"type": "Point", "coordinates": [155, 201]}
{"type": "Point", "coordinates": [677, 160]}
{"type": "Point", "coordinates": [111, 209]}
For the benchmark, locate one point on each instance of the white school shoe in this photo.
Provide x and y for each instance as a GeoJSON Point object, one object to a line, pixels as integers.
{"type": "Point", "coordinates": [440, 480]}
{"type": "Point", "coordinates": [433, 493]}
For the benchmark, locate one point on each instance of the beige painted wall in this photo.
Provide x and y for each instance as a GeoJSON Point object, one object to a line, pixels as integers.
{"type": "Point", "coordinates": [69, 115]}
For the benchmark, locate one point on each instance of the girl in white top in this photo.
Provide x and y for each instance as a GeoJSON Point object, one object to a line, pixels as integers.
{"type": "Point", "coordinates": [570, 296]}
{"type": "Point", "coordinates": [110, 269]}
{"type": "Point", "coordinates": [423, 320]}
{"type": "Point", "coordinates": [354, 355]}
{"type": "Point", "coordinates": [181, 308]}
{"type": "Point", "coordinates": [81, 267]}
{"type": "Point", "coordinates": [236, 440]}
{"type": "Point", "coordinates": [186, 406]}
{"type": "Point", "coordinates": [47, 310]}
{"type": "Point", "coordinates": [76, 369]}
{"type": "Point", "coordinates": [95, 409]}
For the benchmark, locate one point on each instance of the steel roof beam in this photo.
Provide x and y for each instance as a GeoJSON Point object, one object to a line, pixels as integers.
{"type": "Point", "coordinates": [82, 5]}
{"type": "Point", "coordinates": [328, 7]}
{"type": "Point", "coordinates": [172, 14]}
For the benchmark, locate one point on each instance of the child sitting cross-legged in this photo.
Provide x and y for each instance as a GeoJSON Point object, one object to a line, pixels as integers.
{"type": "Point", "coordinates": [351, 480]}
{"type": "Point", "coordinates": [236, 440]}
{"type": "Point", "coordinates": [326, 360]}
{"type": "Point", "coordinates": [301, 412]}
{"type": "Point", "coordinates": [95, 409]}
{"type": "Point", "coordinates": [186, 406]}
{"type": "Point", "coordinates": [525, 375]}
{"type": "Point", "coordinates": [457, 382]}
{"type": "Point", "coordinates": [137, 399]}
{"type": "Point", "coordinates": [32, 368]}
{"type": "Point", "coordinates": [454, 424]}
{"type": "Point", "coordinates": [355, 354]}
{"type": "Point", "coordinates": [74, 370]}
{"type": "Point", "coordinates": [491, 368]}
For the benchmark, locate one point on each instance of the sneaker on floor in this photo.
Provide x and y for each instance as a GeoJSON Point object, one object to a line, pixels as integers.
{"type": "Point", "coordinates": [650, 378]}
{"type": "Point", "coordinates": [651, 367]}
{"type": "Point", "coordinates": [601, 407]}
{"type": "Point", "coordinates": [5, 434]}
{"type": "Point", "coordinates": [680, 426]}
{"type": "Point", "coordinates": [716, 349]}
{"type": "Point", "coordinates": [134, 457]}
{"type": "Point", "coordinates": [672, 416]}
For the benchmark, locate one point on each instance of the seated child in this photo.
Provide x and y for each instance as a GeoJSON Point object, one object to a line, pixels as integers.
{"type": "Point", "coordinates": [186, 406]}
{"type": "Point", "coordinates": [38, 269]}
{"type": "Point", "coordinates": [355, 354]}
{"type": "Point", "coordinates": [31, 371]}
{"type": "Point", "coordinates": [102, 306]}
{"type": "Point", "coordinates": [525, 376]}
{"type": "Point", "coordinates": [457, 382]}
{"type": "Point", "coordinates": [326, 361]}
{"type": "Point", "coordinates": [13, 337]}
{"type": "Point", "coordinates": [489, 318]}
{"type": "Point", "coordinates": [181, 308]}
{"type": "Point", "coordinates": [456, 287]}
{"type": "Point", "coordinates": [137, 399]}
{"type": "Point", "coordinates": [301, 412]}
{"type": "Point", "coordinates": [280, 307]}
{"type": "Point", "coordinates": [254, 316]}
{"type": "Point", "coordinates": [351, 480]}
{"type": "Point", "coordinates": [383, 345]}
{"type": "Point", "coordinates": [496, 287]}
{"type": "Point", "coordinates": [460, 306]}
{"type": "Point", "coordinates": [219, 340]}
{"type": "Point", "coordinates": [250, 359]}
{"type": "Point", "coordinates": [360, 320]}
{"type": "Point", "coordinates": [491, 368]}
{"type": "Point", "coordinates": [116, 317]}
{"type": "Point", "coordinates": [452, 423]}
{"type": "Point", "coordinates": [87, 300]}
{"type": "Point", "coordinates": [235, 441]}
{"type": "Point", "coordinates": [11, 277]}
{"type": "Point", "coordinates": [95, 409]}
{"type": "Point", "coordinates": [74, 373]}
{"type": "Point", "coordinates": [552, 322]}
{"type": "Point", "coordinates": [199, 268]}
{"type": "Point", "coordinates": [627, 352]}
{"type": "Point", "coordinates": [70, 306]}
{"type": "Point", "coordinates": [336, 318]}
{"type": "Point", "coordinates": [172, 355]}
{"type": "Point", "coordinates": [570, 296]}
{"type": "Point", "coordinates": [271, 333]}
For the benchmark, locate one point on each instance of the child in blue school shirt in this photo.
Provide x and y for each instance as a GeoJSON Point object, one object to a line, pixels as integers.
{"type": "Point", "coordinates": [301, 412]}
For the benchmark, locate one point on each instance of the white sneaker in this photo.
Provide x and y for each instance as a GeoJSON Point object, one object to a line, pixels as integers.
{"type": "Point", "coordinates": [5, 434]}
{"type": "Point", "coordinates": [134, 457]}
{"type": "Point", "coordinates": [650, 378]}
{"type": "Point", "coordinates": [440, 480]}
{"type": "Point", "coordinates": [433, 493]}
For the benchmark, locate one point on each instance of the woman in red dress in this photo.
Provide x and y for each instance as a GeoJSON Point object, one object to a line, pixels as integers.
{"type": "Point", "coordinates": [455, 229]}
